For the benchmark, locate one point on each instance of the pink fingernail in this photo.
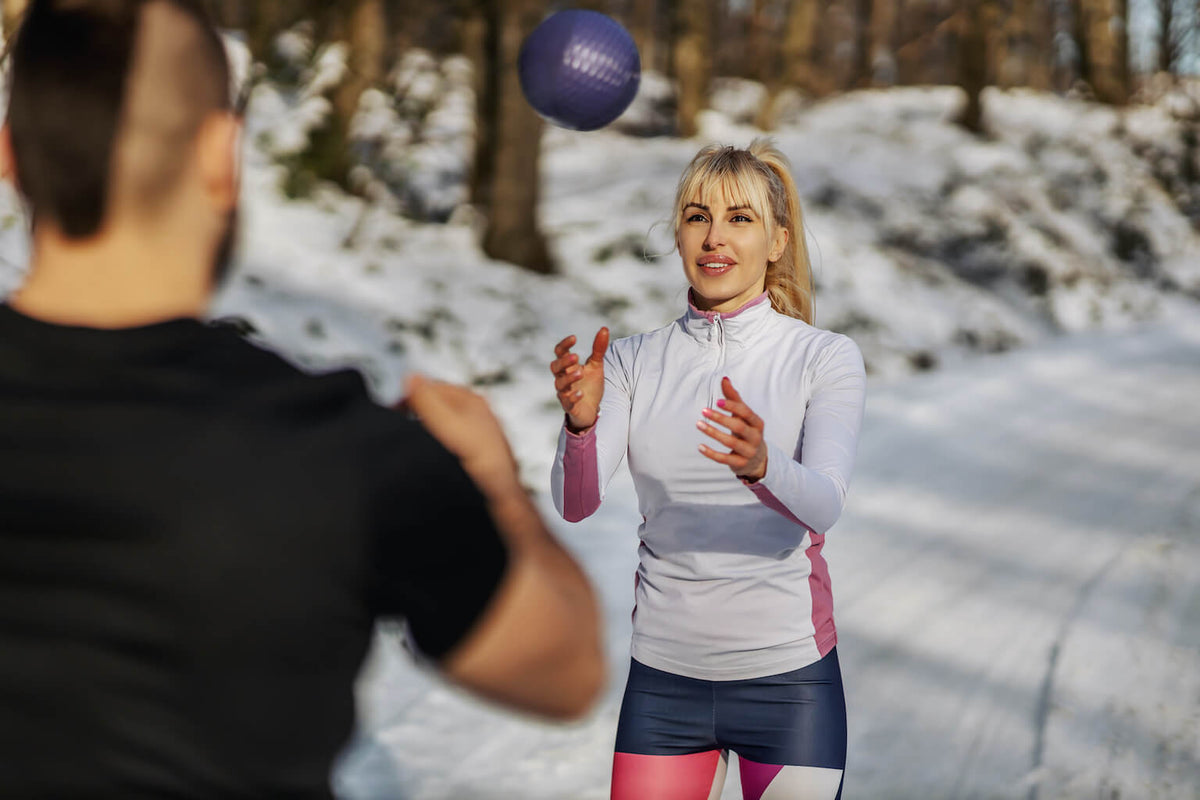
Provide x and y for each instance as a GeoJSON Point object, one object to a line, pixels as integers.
{"type": "Point", "coordinates": [700, 424]}
{"type": "Point", "coordinates": [721, 402]}
{"type": "Point", "coordinates": [706, 412]}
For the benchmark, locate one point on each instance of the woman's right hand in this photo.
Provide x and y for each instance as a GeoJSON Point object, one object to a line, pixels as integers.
{"type": "Point", "coordinates": [580, 386]}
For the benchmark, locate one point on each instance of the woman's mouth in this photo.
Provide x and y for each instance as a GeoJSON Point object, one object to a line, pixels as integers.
{"type": "Point", "coordinates": [715, 266]}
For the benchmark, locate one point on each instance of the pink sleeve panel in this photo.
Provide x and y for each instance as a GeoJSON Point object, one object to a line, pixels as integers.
{"type": "Point", "coordinates": [581, 476]}
{"type": "Point", "coordinates": [772, 502]}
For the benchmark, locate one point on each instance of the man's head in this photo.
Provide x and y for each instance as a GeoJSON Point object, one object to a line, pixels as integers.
{"type": "Point", "coordinates": [119, 114]}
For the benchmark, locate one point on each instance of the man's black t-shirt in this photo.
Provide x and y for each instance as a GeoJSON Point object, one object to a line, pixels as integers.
{"type": "Point", "coordinates": [195, 540]}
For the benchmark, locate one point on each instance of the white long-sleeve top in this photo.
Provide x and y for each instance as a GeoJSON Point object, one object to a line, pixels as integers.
{"type": "Point", "coordinates": [731, 583]}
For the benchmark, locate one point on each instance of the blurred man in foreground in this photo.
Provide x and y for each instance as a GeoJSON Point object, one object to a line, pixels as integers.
{"type": "Point", "coordinates": [195, 538]}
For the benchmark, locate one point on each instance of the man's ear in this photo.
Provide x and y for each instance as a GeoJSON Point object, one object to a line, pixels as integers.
{"type": "Point", "coordinates": [8, 159]}
{"type": "Point", "coordinates": [218, 148]}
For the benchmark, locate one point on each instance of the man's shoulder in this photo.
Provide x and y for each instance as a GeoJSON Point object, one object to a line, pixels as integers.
{"type": "Point", "coordinates": [254, 374]}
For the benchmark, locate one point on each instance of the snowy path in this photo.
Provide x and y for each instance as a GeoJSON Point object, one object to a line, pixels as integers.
{"type": "Point", "coordinates": [1018, 577]}
{"type": "Point", "coordinates": [1017, 580]}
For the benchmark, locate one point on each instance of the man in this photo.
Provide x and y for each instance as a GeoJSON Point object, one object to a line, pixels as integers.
{"type": "Point", "coordinates": [195, 538]}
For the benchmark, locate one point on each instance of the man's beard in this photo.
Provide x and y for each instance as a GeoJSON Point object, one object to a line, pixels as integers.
{"type": "Point", "coordinates": [223, 257]}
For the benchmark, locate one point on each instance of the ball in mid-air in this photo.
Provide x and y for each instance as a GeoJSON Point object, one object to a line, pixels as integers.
{"type": "Point", "coordinates": [579, 69]}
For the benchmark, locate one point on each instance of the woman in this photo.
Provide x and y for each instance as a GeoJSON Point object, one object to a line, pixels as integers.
{"type": "Point", "coordinates": [733, 634]}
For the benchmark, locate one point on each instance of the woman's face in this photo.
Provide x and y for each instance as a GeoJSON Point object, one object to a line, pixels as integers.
{"type": "Point", "coordinates": [725, 250]}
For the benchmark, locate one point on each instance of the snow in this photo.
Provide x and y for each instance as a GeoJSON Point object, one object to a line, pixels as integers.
{"type": "Point", "coordinates": [1016, 570]}
{"type": "Point", "coordinates": [1016, 591]}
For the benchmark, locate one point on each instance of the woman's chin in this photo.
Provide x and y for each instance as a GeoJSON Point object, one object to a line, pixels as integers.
{"type": "Point", "coordinates": [715, 292]}
{"type": "Point", "coordinates": [719, 303]}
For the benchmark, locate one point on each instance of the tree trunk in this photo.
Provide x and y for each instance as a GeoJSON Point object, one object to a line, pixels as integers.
{"type": "Point", "coordinates": [477, 46]}
{"type": "Point", "coordinates": [1118, 31]}
{"type": "Point", "coordinates": [13, 11]}
{"type": "Point", "coordinates": [230, 14]}
{"type": "Point", "coordinates": [1105, 62]}
{"type": "Point", "coordinates": [972, 59]}
{"type": "Point", "coordinates": [265, 23]}
{"type": "Point", "coordinates": [838, 47]}
{"type": "Point", "coordinates": [881, 43]}
{"type": "Point", "coordinates": [1029, 40]}
{"type": "Point", "coordinates": [691, 60]}
{"type": "Point", "coordinates": [799, 47]}
{"type": "Point", "coordinates": [419, 23]}
{"type": "Point", "coordinates": [766, 54]}
{"type": "Point", "coordinates": [1165, 36]}
{"type": "Point", "coordinates": [759, 37]}
{"type": "Point", "coordinates": [643, 27]}
{"type": "Point", "coordinates": [1066, 72]}
{"type": "Point", "coordinates": [508, 139]}
{"type": "Point", "coordinates": [365, 31]}
{"type": "Point", "coordinates": [861, 25]}
{"type": "Point", "coordinates": [925, 50]}
{"type": "Point", "coordinates": [1001, 47]}
{"type": "Point", "coordinates": [360, 24]}
{"type": "Point", "coordinates": [728, 50]}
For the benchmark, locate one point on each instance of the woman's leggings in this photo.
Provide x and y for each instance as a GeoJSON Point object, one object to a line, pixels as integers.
{"type": "Point", "coordinates": [789, 732]}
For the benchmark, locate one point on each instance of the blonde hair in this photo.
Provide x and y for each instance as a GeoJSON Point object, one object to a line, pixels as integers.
{"type": "Point", "coordinates": [761, 178]}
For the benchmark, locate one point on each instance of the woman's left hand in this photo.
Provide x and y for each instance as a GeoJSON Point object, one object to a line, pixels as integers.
{"type": "Point", "coordinates": [747, 455]}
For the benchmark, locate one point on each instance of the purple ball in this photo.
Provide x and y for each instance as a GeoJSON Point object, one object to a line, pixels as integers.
{"type": "Point", "coordinates": [579, 69]}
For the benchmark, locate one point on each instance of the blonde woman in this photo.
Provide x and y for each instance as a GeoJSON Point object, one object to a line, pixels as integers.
{"type": "Point", "coordinates": [739, 421]}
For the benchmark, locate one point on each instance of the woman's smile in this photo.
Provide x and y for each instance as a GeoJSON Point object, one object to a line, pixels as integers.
{"type": "Point", "coordinates": [713, 265]}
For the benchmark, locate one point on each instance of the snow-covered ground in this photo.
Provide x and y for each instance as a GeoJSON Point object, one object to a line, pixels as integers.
{"type": "Point", "coordinates": [1017, 583]}
{"type": "Point", "coordinates": [1017, 575]}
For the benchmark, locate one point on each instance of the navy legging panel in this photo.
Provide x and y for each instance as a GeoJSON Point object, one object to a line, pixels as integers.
{"type": "Point", "coordinates": [794, 718]}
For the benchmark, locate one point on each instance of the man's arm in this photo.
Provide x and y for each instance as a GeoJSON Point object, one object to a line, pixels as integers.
{"type": "Point", "coordinates": [536, 646]}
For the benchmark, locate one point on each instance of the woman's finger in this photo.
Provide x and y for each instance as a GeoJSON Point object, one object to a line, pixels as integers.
{"type": "Point", "coordinates": [735, 425]}
{"type": "Point", "coordinates": [599, 346]}
{"type": "Point", "coordinates": [729, 459]}
{"type": "Point", "coordinates": [566, 380]}
{"type": "Point", "coordinates": [568, 399]}
{"type": "Point", "coordinates": [735, 444]}
{"type": "Point", "coordinates": [560, 364]}
{"type": "Point", "coordinates": [741, 410]}
{"type": "Point", "coordinates": [562, 347]}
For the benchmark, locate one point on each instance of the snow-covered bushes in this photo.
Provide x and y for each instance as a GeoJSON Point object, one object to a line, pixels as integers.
{"type": "Point", "coordinates": [929, 244]}
{"type": "Point", "coordinates": [417, 137]}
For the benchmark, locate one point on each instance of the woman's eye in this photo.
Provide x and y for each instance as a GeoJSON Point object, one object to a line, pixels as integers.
{"type": "Point", "coordinates": [742, 218]}
{"type": "Point", "coordinates": [696, 218]}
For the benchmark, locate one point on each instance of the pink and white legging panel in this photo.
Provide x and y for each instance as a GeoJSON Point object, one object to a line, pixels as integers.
{"type": "Point", "coordinates": [789, 731]}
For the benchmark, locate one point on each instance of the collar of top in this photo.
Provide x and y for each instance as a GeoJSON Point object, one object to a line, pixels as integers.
{"type": "Point", "coordinates": [736, 325]}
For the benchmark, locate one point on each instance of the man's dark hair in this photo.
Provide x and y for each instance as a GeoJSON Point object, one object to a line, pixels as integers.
{"type": "Point", "coordinates": [69, 102]}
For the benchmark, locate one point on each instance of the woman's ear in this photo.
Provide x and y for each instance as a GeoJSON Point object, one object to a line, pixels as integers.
{"type": "Point", "coordinates": [779, 241]}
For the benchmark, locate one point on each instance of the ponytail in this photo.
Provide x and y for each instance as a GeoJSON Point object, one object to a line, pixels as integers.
{"type": "Point", "coordinates": [789, 280]}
